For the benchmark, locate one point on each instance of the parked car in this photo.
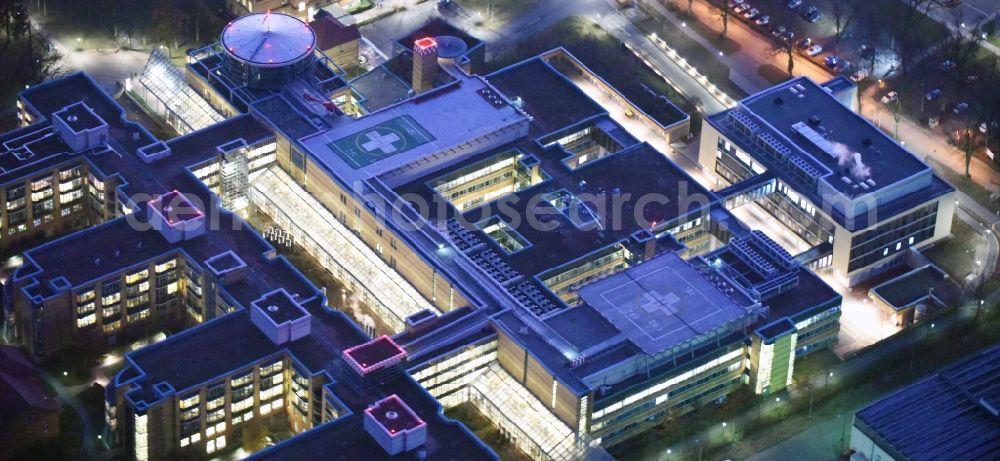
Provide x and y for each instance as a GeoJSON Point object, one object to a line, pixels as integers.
{"type": "Point", "coordinates": [814, 16]}
{"type": "Point", "coordinates": [814, 50]}
{"type": "Point", "coordinates": [741, 7]}
{"type": "Point", "coordinates": [805, 43]}
{"type": "Point", "coordinates": [779, 31]}
{"type": "Point", "coordinates": [788, 35]}
{"type": "Point", "coordinates": [763, 20]}
{"type": "Point", "coordinates": [446, 5]}
{"type": "Point", "coordinates": [947, 65]}
{"type": "Point", "coordinates": [842, 66]}
{"type": "Point", "coordinates": [859, 75]}
{"type": "Point", "coordinates": [933, 94]}
{"type": "Point", "coordinates": [793, 4]}
{"type": "Point", "coordinates": [733, 3]}
{"type": "Point", "coordinates": [805, 11]}
{"type": "Point", "coordinates": [960, 107]}
{"type": "Point", "coordinates": [890, 97]}
{"type": "Point", "coordinates": [831, 61]}
{"type": "Point", "coordinates": [752, 13]}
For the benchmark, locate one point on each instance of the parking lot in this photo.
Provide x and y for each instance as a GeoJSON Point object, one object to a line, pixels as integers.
{"type": "Point", "coordinates": [811, 26]}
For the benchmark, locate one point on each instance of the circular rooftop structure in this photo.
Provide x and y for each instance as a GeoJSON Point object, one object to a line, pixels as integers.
{"type": "Point", "coordinates": [450, 47]}
{"type": "Point", "coordinates": [268, 39]}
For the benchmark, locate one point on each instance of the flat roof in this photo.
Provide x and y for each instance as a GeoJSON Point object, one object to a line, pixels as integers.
{"type": "Point", "coordinates": [175, 207]}
{"type": "Point", "coordinates": [394, 415]}
{"type": "Point", "coordinates": [582, 326]}
{"type": "Point", "coordinates": [665, 302]}
{"type": "Point", "coordinates": [636, 172]}
{"type": "Point", "coordinates": [385, 139]}
{"type": "Point", "coordinates": [916, 285]}
{"type": "Point", "coordinates": [375, 352]}
{"type": "Point", "coordinates": [799, 303]}
{"type": "Point", "coordinates": [552, 100]}
{"type": "Point", "coordinates": [411, 131]}
{"type": "Point", "coordinates": [776, 328]}
{"type": "Point", "coordinates": [802, 101]}
{"type": "Point", "coordinates": [380, 87]}
{"type": "Point", "coordinates": [31, 149]}
{"type": "Point", "coordinates": [79, 117]}
{"type": "Point", "coordinates": [268, 39]}
{"type": "Point", "coordinates": [951, 415]}
{"type": "Point", "coordinates": [280, 307]}
{"type": "Point", "coordinates": [447, 439]}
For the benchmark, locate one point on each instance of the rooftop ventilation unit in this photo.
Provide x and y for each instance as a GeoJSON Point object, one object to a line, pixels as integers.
{"type": "Point", "coordinates": [814, 137]}
{"type": "Point", "coordinates": [804, 166]}
{"type": "Point", "coordinates": [743, 122]}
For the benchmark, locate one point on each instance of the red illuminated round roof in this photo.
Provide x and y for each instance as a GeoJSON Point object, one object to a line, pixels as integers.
{"type": "Point", "coordinates": [268, 39]}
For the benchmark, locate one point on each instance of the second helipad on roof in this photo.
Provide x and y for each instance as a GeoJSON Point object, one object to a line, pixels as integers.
{"type": "Point", "coordinates": [665, 303]}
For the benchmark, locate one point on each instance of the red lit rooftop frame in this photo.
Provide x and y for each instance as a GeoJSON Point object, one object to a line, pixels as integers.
{"type": "Point", "coordinates": [425, 45]}
{"type": "Point", "coordinates": [376, 354]}
{"type": "Point", "coordinates": [175, 207]}
{"type": "Point", "coordinates": [394, 415]}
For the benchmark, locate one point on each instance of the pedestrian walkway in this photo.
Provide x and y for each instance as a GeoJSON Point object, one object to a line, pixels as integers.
{"type": "Point", "coordinates": [68, 397]}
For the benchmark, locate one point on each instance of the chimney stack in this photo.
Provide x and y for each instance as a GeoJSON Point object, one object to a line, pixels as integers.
{"type": "Point", "coordinates": [425, 65]}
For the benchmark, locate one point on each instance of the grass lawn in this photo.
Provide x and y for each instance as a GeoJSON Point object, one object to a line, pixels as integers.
{"type": "Point", "coordinates": [956, 255]}
{"type": "Point", "coordinates": [772, 73]}
{"type": "Point", "coordinates": [727, 45]}
{"type": "Point", "coordinates": [693, 52]}
{"type": "Point", "coordinates": [994, 39]}
{"type": "Point", "coordinates": [603, 54]}
{"type": "Point", "coordinates": [467, 414]}
{"type": "Point", "coordinates": [496, 13]}
{"type": "Point", "coordinates": [964, 184]}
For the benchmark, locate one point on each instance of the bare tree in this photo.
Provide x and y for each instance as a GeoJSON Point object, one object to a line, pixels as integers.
{"type": "Point", "coordinates": [843, 13]}
{"type": "Point", "coordinates": [783, 47]}
{"type": "Point", "coordinates": [896, 109]}
{"type": "Point", "coordinates": [722, 13]}
{"type": "Point", "coordinates": [903, 26]}
{"type": "Point", "coordinates": [985, 110]}
{"type": "Point", "coordinates": [961, 47]}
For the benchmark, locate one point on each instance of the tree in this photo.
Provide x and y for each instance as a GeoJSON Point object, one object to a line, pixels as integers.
{"type": "Point", "coordinates": [783, 47]}
{"type": "Point", "coordinates": [961, 47]}
{"type": "Point", "coordinates": [14, 19]}
{"type": "Point", "coordinates": [968, 149]}
{"type": "Point", "coordinates": [254, 435]}
{"type": "Point", "coordinates": [896, 108]}
{"type": "Point", "coordinates": [843, 13]}
{"type": "Point", "coordinates": [722, 13]}
{"type": "Point", "coordinates": [169, 21]}
{"type": "Point", "coordinates": [987, 108]}
{"type": "Point", "coordinates": [904, 31]}
{"type": "Point", "coordinates": [690, 7]}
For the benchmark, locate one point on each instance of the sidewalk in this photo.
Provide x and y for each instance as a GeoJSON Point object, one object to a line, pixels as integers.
{"type": "Point", "coordinates": [68, 397]}
{"type": "Point", "coordinates": [755, 52]}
